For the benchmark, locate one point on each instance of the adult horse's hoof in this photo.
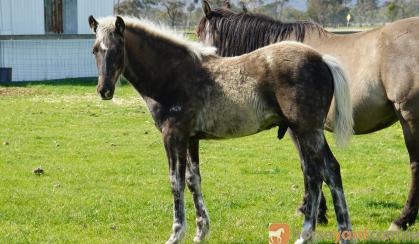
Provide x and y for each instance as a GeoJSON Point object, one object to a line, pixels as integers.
{"type": "Point", "coordinates": [394, 227]}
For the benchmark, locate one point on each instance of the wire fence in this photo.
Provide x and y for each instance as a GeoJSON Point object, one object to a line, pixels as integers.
{"type": "Point", "coordinates": [48, 59]}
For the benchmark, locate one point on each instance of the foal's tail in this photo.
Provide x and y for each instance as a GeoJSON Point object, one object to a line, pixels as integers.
{"type": "Point", "coordinates": [343, 121]}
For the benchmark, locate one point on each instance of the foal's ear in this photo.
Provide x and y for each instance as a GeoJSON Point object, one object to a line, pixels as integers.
{"type": "Point", "coordinates": [206, 8]}
{"type": "Point", "coordinates": [119, 25]}
{"type": "Point", "coordinates": [93, 23]}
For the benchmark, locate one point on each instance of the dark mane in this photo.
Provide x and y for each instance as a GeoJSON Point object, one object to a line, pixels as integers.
{"type": "Point", "coordinates": [239, 33]}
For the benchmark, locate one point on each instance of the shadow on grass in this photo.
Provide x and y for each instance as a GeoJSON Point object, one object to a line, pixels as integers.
{"type": "Point", "coordinates": [382, 204]}
{"type": "Point", "coordinates": [85, 81]}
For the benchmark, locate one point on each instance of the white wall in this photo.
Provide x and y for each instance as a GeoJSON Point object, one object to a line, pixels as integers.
{"type": "Point", "coordinates": [97, 8]}
{"type": "Point", "coordinates": [26, 17]}
{"type": "Point", "coordinates": [33, 60]}
{"type": "Point", "coordinates": [22, 17]}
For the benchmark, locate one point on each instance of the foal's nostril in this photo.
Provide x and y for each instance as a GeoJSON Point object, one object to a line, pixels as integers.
{"type": "Point", "coordinates": [105, 93]}
{"type": "Point", "coordinates": [108, 93]}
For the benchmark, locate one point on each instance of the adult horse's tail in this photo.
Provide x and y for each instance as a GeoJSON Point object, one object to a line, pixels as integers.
{"type": "Point", "coordinates": [343, 121]}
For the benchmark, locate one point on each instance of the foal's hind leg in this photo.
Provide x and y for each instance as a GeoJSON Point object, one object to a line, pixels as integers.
{"type": "Point", "coordinates": [193, 180]}
{"type": "Point", "coordinates": [322, 211]}
{"type": "Point", "coordinates": [311, 149]}
{"type": "Point", "coordinates": [321, 216]}
{"type": "Point", "coordinates": [409, 119]}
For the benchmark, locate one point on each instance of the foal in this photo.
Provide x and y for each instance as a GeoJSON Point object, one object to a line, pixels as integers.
{"type": "Point", "coordinates": [193, 94]}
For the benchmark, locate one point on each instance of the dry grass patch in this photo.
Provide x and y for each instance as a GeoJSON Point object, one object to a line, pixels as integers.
{"type": "Point", "coordinates": [19, 91]}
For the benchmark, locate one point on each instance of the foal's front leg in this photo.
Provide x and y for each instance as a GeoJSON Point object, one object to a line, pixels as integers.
{"type": "Point", "coordinates": [176, 146]}
{"type": "Point", "coordinates": [193, 180]}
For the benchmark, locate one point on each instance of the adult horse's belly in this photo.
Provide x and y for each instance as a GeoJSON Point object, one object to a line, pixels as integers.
{"type": "Point", "coordinates": [372, 110]}
{"type": "Point", "coordinates": [361, 55]}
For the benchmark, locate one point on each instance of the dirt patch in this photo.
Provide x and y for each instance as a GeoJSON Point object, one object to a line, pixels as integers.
{"type": "Point", "coordinates": [18, 91]}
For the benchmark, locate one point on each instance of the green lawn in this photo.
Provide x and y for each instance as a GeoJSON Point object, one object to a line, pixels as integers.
{"type": "Point", "coordinates": [106, 175]}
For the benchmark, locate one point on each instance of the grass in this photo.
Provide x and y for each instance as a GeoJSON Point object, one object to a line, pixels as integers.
{"type": "Point", "coordinates": [106, 176]}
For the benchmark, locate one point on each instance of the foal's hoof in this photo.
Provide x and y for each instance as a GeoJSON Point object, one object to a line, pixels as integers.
{"type": "Point", "coordinates": [202, 230]}
{"type": "Point", "coordinates": [198, 239]}
{"type": "Point", "coordinates": [302, 241]}
{"type": "Point", "coordinates": [300, 211]}
{"type": "Point", "coordinates": [200, 236]}
{"type": "Point", "coordinates": [322, 220]}
{"type": "Point", "coordinates": [177, 234]}
{"type": "Point", "coordinates": [394, 227]}
{"type": "Point", "coordinates": [173, 240]}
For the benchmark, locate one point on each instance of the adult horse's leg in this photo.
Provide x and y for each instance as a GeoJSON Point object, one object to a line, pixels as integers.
{"type": "Point", "coordinates": [333, 179]}
{"type": "Point", "coordinates": [193, 180]}
{"type": "Point", "coordinates": [176, 145]}
{"type": "Point", "coordinates": [311, 146]}
{"type": "Point", "coordinates": [409, 119]}
{"type": "Point", "coordinates": [321, 216]}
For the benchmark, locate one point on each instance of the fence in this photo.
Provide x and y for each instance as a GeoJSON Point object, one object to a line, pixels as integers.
{"type": "Point", "coordinates": [48, 57]}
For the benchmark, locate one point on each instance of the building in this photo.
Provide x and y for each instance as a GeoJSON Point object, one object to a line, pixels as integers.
{"type": "Point", "coordinates": [48, 39]}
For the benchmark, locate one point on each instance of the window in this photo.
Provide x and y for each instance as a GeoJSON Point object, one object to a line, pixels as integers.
{"type": "Point", "coordinates": [60, 16]}
{"type": "Point", "coordinates": [53, 16]}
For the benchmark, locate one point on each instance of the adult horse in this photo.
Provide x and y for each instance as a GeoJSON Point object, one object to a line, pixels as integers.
{"type": "Point", "coordinates": [382, 64]}
{"type": "Point", "coordinates": [194, 94]}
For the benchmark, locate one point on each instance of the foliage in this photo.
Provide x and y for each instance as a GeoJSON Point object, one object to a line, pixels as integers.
{"type": "Point", "coordinates": [365, 10]}
{"type": "Point", "coordinates": [138, 8]}
{"type": "Point", "coordinates": [325, 12]}
{"type": "Point", "coordinates": [174, 11]}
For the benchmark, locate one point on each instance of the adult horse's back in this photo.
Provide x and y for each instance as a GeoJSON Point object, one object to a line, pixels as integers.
{"type": "Point", "coordinates": [382, 64]}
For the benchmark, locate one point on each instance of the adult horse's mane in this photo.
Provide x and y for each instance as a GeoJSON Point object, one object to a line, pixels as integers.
{"type": "Point", "coordinates": [196, 50]}
{"type": "Point", "coordinates": [240, 33]}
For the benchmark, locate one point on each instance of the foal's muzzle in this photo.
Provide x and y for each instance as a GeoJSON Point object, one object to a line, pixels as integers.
{"type": "Point", "coordinates": [105, 92]}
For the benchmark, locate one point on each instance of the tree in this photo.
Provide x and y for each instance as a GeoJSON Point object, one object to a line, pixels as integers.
{"type": "Point", "coordinates": [412, 8]}
{"type": "Point", "coordinates": [365, 10]}
{"type": "Point", "coordinates": [138, 8]}
{"type": "Point", "coordinates": [292, 14]}
{"type": "Point", "coordinates": [279, 8]}
{"type": "Point", "coordinates": [219, 3]}
{"type": "Point", "coordinates": [327, 11]}
{"type": "Point", "coordinates": [251, 4]}
{"type": "Point", "coordinates": [190, 9]}
{"type": "Point", "coordinates": [174, 11]}
{"type": "Point", "coordinates": [398, 9]}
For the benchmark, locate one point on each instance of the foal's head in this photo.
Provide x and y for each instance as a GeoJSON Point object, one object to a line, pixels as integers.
{"type": "Point", "coordinates": [109, 53]}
